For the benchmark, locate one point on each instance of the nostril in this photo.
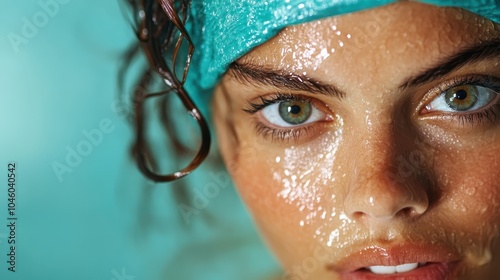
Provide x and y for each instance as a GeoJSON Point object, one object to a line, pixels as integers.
{"type": "Point", "coordinates": [386, 207]}
{"type": "Point", "coordinates": [409, 211]}
{"type": "Point", "coordinates": [357, 215]}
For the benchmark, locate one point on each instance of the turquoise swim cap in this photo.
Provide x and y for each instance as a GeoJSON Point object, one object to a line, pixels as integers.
{"type": "Point", "coordinates": [222, 30]}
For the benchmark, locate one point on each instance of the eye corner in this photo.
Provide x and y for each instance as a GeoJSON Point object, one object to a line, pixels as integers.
{"type": "Point", "coordinates": [424, 109]}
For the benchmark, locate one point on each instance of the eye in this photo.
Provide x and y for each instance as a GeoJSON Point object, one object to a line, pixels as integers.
{"type": "Point", "coordinates": [463, 98]}
{"type": "Point", "coordinates": [289, 117]}
{"type": "Point", "coordinates": [288, 113]}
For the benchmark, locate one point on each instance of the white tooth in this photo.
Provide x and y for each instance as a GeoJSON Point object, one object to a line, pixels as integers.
{"type": "Point", "coordinates": [406, 267]}
{"type": "Point", "coordinates": [380, 269]}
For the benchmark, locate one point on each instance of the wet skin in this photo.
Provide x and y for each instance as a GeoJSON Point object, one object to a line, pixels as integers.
{"type": "Point", "coordinates": [384, 171]}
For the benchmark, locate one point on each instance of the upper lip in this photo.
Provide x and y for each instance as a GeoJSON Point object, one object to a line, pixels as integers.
{"type": "Point", "coordinates": [394, 255]}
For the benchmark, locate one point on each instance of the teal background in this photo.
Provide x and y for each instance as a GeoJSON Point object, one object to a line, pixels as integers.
{"type": "Point", "coordinates": [103, 220]}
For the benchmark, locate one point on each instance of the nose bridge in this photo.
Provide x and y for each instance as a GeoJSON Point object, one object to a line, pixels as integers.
{"type": "Point", "coordinates": [386, 184]}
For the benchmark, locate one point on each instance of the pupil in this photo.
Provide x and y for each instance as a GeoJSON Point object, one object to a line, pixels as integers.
{"type": "Point", "coordinates": [461, 94]}
{"type": "Point", "coordinates": [294, 109]}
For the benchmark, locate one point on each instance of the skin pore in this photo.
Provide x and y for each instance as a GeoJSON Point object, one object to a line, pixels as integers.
{"type": "Point", "coordinates": [386, 150]}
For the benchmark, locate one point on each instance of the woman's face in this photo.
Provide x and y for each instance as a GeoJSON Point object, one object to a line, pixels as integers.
{"type": "Point", "coordinates": [369, 143]}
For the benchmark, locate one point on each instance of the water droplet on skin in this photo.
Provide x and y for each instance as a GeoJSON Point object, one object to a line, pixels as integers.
{"type": "Point", "coordinates": [310, 216]}
{"type": "Point", "coordinates": [371, 200]}
{"type": "Point", "coordinates": [334, 237]}
{"type": "Point", "coordinates": [470, 191]}
{"type": "Point", "coordinates": [323, 216]}
{"type": "Point", "coordinates": [454, 204]}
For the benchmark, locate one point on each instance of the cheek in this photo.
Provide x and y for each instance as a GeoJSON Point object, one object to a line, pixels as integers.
{"type": "Point", "coordinates": [470, 199]}
{"type": "Point", "coordinates": [292, 191]}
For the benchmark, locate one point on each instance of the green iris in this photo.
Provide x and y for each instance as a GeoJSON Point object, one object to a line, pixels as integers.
{"type": "Point", "coordinates": [462, 98]}
{"type": "Point", "coordinates": [295, 111]}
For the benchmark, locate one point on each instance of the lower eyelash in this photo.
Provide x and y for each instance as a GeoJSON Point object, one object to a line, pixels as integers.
{"type": "Point", "coordinates": [283, 135]}
{"type": "Point", "coordinates": [479, 117]}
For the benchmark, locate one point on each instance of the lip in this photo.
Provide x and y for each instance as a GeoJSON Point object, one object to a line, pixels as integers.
{"type": "Point", "coordinates": [441, 262]}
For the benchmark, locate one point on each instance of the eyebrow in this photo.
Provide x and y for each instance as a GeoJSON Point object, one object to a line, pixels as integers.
{"type": "Point", "coordinates": [257, 75]}
{"type": "Point", "coordinates": [480, 52]}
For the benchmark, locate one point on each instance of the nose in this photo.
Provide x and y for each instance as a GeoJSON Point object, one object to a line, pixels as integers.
{"type": "Point", "coordinates": [383, 196]}
{"type": "Point", "coordinates": [393, 173]}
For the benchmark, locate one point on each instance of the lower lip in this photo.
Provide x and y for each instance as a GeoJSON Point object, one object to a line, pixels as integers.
{"type": "Point", "coordinates": [430, 271]}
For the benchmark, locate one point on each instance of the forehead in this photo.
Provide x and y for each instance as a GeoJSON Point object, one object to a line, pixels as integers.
{"type": "Point", "coordinates": [386, 40]}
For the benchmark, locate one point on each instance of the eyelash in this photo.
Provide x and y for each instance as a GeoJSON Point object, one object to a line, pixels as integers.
{"type": "Point", "coordinates": [479, 117]}
{"type": "Point", "coordinates": [264, 102]}
{"type": "Point", "coordinates": [488, 114]}
{"type": "Point", "coordinates": [280, 134]}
